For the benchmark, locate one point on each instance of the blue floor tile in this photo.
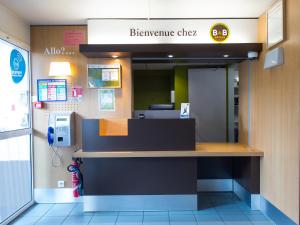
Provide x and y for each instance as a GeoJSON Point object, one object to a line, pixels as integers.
{"type": "Point", "coordinates": [103, 220]}
{"type": "Point", "coordinates": [38, 210]}
{"type": "Point", "coordinates": [156, 213]}
{"type": "Point", "coordinates": [156, 220]}
{"type": "Point", "coordinates": [77, 220]}
{"type": "Point", "coordinates": [208, 218]}
{"type": "Point", "coordinates": [235, 219]}
{"type": "Point", "coordinates": [78, 211]}
{"type": "Point", "coordinates": [106, 213]}
{"type": "Point", "coordinates": [26, 220]}
{"type": "Point", "coordinates": [184, 212]}
{"type": "Point", "coordinates": [183, 220]}
{"type": "Point", "coordinates": [131, 213]}
{"type": "Point", "coordinates": [263, 223]}
{"type": "Point", "coordinates": [60, 210]}
{"type": "Point", "coordinates": [129, 220]}
{"type": "Point", "coordinates": [208, 211]}
{"type": "Point", "coordinates": [51, 220]}
{"type": "Point", "coordinates": [214, 209]}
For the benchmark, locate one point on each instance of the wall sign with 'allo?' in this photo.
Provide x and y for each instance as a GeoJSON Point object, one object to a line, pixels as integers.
{"type": "Point", "coordinates": [57, 51]}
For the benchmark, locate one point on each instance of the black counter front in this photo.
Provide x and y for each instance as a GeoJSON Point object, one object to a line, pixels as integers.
{"type": "Point", "coordinates": [143, 135]}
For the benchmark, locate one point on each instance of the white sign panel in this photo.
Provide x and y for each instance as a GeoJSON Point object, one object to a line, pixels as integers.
{"type": "Point", "coordinates": [198, 31]}
{"type": "Point", "coordinates": [275, 24]}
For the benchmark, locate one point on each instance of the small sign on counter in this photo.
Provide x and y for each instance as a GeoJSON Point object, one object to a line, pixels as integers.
{"type": "Point", "coordinates": [185, 111]}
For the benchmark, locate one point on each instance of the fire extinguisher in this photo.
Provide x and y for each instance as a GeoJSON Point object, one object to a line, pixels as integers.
{"type": "Point", "coordinates": [77, 182]}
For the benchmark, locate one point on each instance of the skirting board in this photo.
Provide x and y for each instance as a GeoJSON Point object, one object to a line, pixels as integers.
{"type": "Point", "coordinates": [140, 202]}
{"type": "Point", "coordinates": [55, 195]}
{"type": "Point", "coordinates": [253, 200]}
{"type": "Point", "coordinates": [214, 185]}
{"type": "Point", "coordinates": [274, 214]}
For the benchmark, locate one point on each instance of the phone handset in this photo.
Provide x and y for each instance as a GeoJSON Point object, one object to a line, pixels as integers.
{"type": "Point", "coordinates": [50, 135]}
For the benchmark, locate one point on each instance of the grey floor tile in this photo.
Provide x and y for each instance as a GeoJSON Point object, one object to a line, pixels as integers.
{"type": "Point", "coordinates": [53, 220]}
{"type": "Point", "coordinates": [26, 220]}
{"type": "Point", "coordinates": [103, 220]}
{"type": "Point", "coordinates": [77, 220]}
{"type": "Point", "coordinates": [37, 210]}
{"type": "Point", "coordinates": [60, 210]}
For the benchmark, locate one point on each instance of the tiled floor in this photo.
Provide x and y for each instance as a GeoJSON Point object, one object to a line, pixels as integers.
{"type": "Point", "coordinates": [215, 209]}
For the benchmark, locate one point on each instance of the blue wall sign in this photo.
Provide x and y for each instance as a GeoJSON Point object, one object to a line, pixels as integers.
{"type": "Point", "coordinates": [17, 66]}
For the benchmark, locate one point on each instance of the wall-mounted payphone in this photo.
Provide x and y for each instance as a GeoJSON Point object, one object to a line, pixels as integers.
{"type": "Point", "coordinates": [61, 129]}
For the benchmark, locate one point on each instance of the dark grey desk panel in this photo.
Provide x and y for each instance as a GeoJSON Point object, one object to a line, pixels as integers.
{"type": "Point", "coordinates": [246, 171]}
{"type": "Point", "coordinates": [140, 176]}
{"type": "Point", "coordinates": [143, 134]}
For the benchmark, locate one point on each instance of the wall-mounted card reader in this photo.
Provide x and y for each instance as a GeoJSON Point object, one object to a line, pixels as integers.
{"type": "Point", "coordinates": [61, 129]}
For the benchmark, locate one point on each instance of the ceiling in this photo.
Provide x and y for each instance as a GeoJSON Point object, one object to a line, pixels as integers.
{"type": "Point", "coordinates": [64, 12]}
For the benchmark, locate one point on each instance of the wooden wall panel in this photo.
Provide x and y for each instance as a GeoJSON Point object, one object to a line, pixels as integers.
{"type": "Point", "coordinates": [46, 176]}
{"type": "Point", "coordinates": [275, 115]}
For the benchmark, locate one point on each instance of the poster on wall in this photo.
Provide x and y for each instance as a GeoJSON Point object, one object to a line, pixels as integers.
{"type": "Point", "coordinates": [52, 90]}
{"type": "Point", "coordinates": [104, 76]}
{"type": "Point", "coordinates": [275, 23]}
{"type": "Point", "coordinates": [14, 87]}
{"type": "Point", "coordinates": [106, 98]}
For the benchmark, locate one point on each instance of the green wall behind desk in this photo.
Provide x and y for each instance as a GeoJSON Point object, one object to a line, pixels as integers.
{"type": "Point", "coordinates": [181, 86]}
{"type": "Point", "coordinates": [152, 87]}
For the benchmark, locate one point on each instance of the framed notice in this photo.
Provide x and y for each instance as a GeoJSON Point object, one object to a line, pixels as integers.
{"type": "Point", "coordinates": [51, 90]}
{"type": "Point", "coordinates": [106, 99]}
{"type": "Point", "coordinates": [104, 76]}
{"type": "Point", "coordinates": [275, 23]}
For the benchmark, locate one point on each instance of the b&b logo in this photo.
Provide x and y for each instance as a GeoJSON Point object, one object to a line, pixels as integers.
{"type": "Point", "coordinates": [219, 32]}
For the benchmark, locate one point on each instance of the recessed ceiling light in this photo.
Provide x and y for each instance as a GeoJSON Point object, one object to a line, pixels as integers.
{"type": "Point", "coordinates": [170, 56]}
{"type": "Point", "coordinates": [226, 56]}
{"type": "Point", "coordinates": [115, 56]}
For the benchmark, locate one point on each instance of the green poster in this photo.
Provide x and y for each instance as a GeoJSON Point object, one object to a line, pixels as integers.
{"type": "Point", "coordinates": [106, 99]}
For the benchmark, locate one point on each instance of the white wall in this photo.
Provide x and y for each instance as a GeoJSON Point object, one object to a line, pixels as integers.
{"type": "Point", "coordinates": [13, 26]}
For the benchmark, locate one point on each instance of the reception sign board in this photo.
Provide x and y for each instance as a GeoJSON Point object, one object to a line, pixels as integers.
{"type": "Point", "coordinates": [197, 31]}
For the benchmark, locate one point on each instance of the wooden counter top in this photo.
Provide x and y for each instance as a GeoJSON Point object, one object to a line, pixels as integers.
{"type": "Point", "coordinates": [202, 150]}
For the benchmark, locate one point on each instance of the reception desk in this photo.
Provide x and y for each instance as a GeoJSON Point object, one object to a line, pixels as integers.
{"type": "Point", "coordinates": [142, 178]}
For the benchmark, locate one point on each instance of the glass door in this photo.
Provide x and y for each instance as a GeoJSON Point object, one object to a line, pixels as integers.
{"type": "Point", "coordinates": [15, 131]}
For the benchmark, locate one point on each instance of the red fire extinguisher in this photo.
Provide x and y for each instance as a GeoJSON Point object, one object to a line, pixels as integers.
{"type": "Point", "coordinates": [74, 168]}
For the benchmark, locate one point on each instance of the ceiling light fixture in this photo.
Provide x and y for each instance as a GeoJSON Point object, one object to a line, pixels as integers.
{"type": "Point", "coordinates": [226, 56]}
{"type": "Point", "coordinates": [170, 56]}
{"type": "Point", "coordinates": [115, 56]}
